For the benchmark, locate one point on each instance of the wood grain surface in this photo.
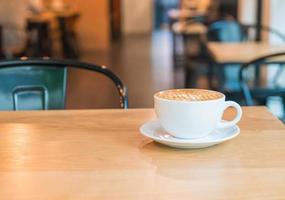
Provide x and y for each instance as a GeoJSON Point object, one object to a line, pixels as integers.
{"type": "Point", "coordinates": [100, 154]}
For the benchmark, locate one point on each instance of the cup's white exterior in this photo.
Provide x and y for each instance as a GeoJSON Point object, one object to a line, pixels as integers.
{"type": "Point", "coordinates": [193, 119]}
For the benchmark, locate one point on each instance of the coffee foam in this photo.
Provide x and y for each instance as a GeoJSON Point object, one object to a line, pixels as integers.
{"type": "Point", "coordinates": [189, 95]}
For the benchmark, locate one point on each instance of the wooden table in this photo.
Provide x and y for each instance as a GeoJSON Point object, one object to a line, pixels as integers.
{"type": "Point", "coordinates": [100, 154]}
{"type": "Point", "coordinates": [189, 29]}
{"type": "Point", "coordinates": [60, 26]}
{"type": "Point", "coordinates": [183, 14]}
{"type": "Point", "coordinates": [239, 53]}
{"type": "Point", "coordinates": [51, 15]}
{"type": "Point", "coordinates": [225, 54]}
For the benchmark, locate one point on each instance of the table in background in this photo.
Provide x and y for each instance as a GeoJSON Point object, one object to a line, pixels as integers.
{"type": "Point", "coordinates": [223, 54]}
{"type": "Point", "coordinates": [42, 23]}
{"type": "Point", "coordinates": [101, 154]}
{"type": "Point", "coordinates": [184, 14]}
{"type": "Point", "coordinates": [191, 29]}
{"type": "Point", "coordinates": [239, 53]}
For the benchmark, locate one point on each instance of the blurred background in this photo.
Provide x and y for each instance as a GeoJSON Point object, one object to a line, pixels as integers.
{"type": "Point", "coordinates": [153, 45]}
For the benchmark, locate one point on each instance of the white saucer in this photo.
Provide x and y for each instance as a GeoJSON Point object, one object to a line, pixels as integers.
{"type": "Point", "coordinates": [153, 130]}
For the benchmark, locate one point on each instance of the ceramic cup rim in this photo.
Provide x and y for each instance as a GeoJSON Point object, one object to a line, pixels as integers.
{"type": "Point", "coordinates": [189, 102]}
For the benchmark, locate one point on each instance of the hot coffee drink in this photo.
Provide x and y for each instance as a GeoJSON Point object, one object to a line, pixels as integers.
{"type": "Point", "coordinates": [189, 95]}
{"type": "Point", "coordinates": [193, 113]}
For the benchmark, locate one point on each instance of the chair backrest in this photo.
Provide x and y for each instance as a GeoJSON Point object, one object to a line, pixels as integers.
{"type": "Point", "coordinates": [40, 84]}
{"type": "Point", "coordinates": [1, 42]}
{"type": "Point", "coordinates": [264, 61]}
{"type": "Point", "coordinates": [225, 31]}
{"type": "Point", "coordinates": [250, 32]}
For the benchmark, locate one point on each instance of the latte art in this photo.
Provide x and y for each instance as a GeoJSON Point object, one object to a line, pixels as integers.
{"type": "Point", "coordinates": [189, 95]}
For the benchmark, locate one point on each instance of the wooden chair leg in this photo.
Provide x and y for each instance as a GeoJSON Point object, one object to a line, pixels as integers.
{"type": "Point", "coordinates": [210, 74]}
{"type": "Point", "coordinates": [262, 101]}
{"type": "Point", "coordinates": [190, 77]}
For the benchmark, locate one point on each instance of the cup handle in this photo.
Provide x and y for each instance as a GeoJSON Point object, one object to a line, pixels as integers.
{"type": "Point", "coordinates": [237, 117]}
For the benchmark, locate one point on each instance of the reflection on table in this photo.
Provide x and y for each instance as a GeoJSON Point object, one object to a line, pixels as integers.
{"type": "Point", "coordinates": [101, 154]}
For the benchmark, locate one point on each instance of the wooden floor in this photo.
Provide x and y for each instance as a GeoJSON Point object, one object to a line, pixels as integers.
{"type": "Point", "coordinates": [144, 64]}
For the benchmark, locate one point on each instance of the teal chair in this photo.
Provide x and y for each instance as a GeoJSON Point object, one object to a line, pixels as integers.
{"type": "Point", "coordinates": [40, 84]}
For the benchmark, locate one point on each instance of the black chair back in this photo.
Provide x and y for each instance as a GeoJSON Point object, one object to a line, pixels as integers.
{"type": "Point", "coordinates": [255, 86]}
{"type": "Point", "coordinates": [40, 84]}
{"type": "Point", "coordinates": [249, 32]}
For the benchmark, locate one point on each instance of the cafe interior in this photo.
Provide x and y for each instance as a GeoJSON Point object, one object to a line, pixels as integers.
{"type": "Point", "coordinates": [150, 46]}
{"type": "Point", "coordinates": [78, 78]}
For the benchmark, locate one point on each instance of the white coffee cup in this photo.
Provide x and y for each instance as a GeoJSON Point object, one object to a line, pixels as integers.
{"type": "Point", "coordinates": [194, 118]}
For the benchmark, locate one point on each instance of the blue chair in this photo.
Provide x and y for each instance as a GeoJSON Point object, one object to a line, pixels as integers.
{"type": "Point", "coordinates": [225, 31]}
{"type": "Point", "coordinates": [228, 31]}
